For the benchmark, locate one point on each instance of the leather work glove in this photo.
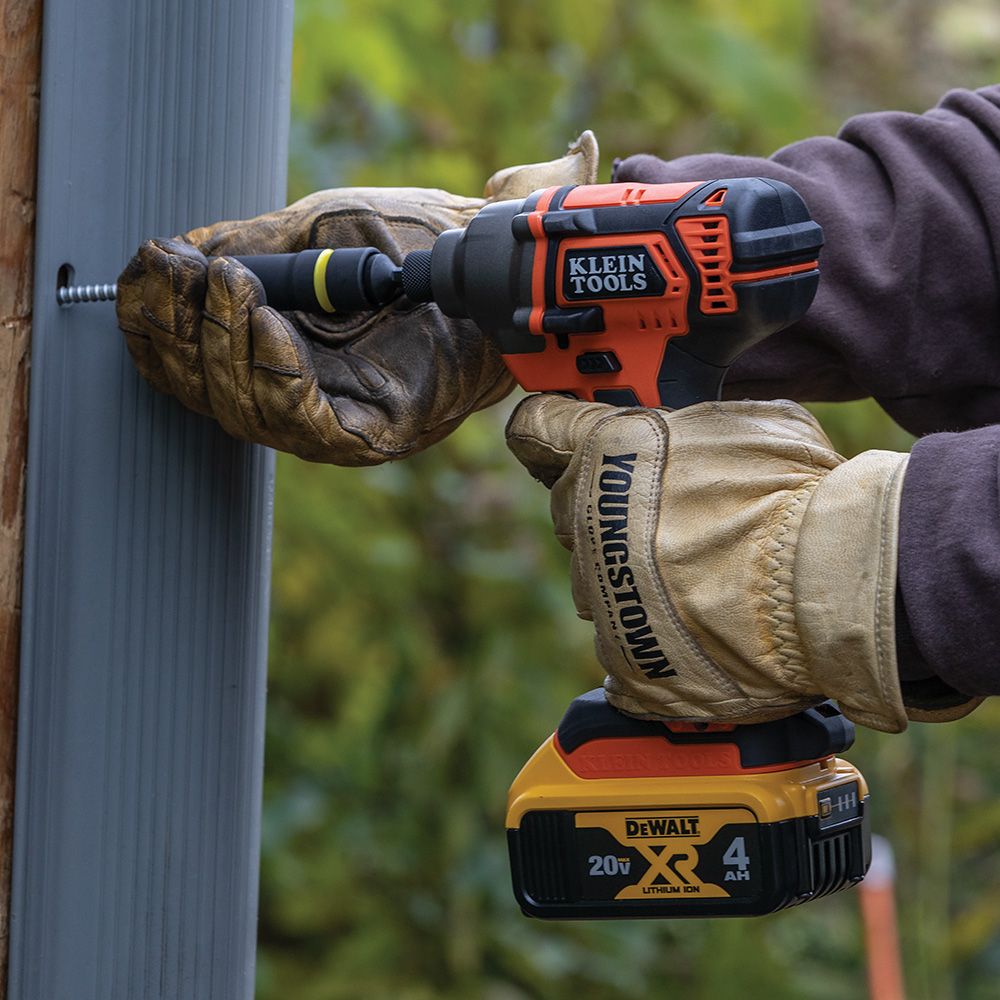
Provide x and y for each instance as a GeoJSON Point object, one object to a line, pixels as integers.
{"type": "Point", "coordinates": [356, 389]}
{"type": "Point", "coordinates": [735, 567]}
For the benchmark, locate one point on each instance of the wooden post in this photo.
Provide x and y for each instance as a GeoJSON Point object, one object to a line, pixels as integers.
{"type": "Point", "coordinates": [20, 57]}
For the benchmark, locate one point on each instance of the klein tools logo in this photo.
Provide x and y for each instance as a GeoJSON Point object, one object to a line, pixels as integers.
{"type": "Point", "coordinates": [610, 273]}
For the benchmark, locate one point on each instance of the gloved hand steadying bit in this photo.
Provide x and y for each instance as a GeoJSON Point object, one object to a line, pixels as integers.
{"type": "Point", "coordinates": [735, 567]}
{"type": "Point", "coordinates": [356, 390]}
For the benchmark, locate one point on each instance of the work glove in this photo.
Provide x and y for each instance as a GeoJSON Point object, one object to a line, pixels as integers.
{"type": "Point", "coordinates": [356, 389]}
{"type": "Point", "coordinates": [735, 567]}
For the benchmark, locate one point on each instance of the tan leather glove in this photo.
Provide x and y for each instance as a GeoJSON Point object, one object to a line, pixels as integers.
{"type": "Point", "coordinates": [736, 568]}
{"type": "Point", "coordinates": [352, 390]}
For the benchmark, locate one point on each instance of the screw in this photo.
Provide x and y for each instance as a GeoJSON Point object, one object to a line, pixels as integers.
{"type": "Point", "coordinates": [71, 294]}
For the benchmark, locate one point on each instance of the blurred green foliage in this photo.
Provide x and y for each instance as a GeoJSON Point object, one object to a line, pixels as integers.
{"type": "Point", "coordinates": [423, 635]}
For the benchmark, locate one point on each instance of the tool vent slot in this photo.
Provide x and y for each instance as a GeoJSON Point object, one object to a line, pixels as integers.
{"type": "Point", "coordinates": [547, 842]}
{"type": "Point", "coordinates": [707, 241]}
{"type": "Point", "coordinates": [831, 863]}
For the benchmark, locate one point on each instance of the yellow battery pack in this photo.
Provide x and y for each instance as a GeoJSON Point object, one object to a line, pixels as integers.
{"type": "Point", "coordinates": [615, 817]}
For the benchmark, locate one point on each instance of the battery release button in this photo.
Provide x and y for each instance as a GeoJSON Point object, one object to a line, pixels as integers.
{"type": "Point", "coordinates": [597, 363]}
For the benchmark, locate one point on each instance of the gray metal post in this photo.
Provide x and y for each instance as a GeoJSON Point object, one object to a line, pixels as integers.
{"type": "Point", "coordinates": [140, 739]}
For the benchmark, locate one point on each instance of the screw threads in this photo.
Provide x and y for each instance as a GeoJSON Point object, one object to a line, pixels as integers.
{"type": "Point", "coordinates": [71, 294]}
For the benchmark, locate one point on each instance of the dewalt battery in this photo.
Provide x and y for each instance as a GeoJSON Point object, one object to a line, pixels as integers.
{"type": "Point", "coordinates": [615, 817]}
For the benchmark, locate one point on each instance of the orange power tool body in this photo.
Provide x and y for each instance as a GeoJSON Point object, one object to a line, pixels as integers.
{"type": "Point", "coordinates": [620, 293]}
{"type": "Point", "coordinates": [630, 294]}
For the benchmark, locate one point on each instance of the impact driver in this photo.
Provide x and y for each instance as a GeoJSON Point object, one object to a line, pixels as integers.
{"type": "Point", "coordinates": [637, 295]}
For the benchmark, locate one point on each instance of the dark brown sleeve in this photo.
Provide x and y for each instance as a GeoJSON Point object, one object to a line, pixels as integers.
{"type": "Point", "coordinates": [908, 308]}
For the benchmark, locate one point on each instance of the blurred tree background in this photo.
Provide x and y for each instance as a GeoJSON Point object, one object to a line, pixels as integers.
{"type": "Point", "coordinates": [423, 636]}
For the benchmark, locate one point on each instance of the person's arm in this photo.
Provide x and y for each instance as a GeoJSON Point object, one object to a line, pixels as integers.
{"type": "Point", "coordinates": [908, 308]}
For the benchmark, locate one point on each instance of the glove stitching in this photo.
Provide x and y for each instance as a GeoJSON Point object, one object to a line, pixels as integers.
{"type": "Point", "coordinates": [810, 460]}
{"type": "Point", "coordinates": [277, 369]}
{"type": "Point", "coordinates": [373, 324]}
{"type": "Point", "coordinates": [883, 650]}
{"type": "Point", "coordinates": [216, 320]}
{"type": "Point", "coordinates": [352, 329]}
{"type": "Point", "coordinates": [153, 321]}
{"type": "Point", "coordinates": [374, 446]}
{"type": "Point", "coordinates": [451, 414]}
{"type": "Point", "coordinates": [356, 214]}
{"type": "Point", "coordinates": [534, 439]}
{"type": "Point", "coordinates": [551, 454]}
{"type": "Point", "coordinates": [240, 408]}
{"type": "Point", "coordinates": [254, 424]}
{"type": "Point", "coordinates": [745, 708]}
{"type": "Point", "coordinates": [450, 417]}
{"type": "Point", "coordinates": [788, 651]}
{"type": "Point", "coordinates": [293, 443]}
{"type": "Point", "coordinates": [883, 531]}
{"type": "Point", "coordinates": [780, 562]}
{"type": "Point", "coordinates": [167, 382]}
{"type": "Point", "coordinates": [375, 441]}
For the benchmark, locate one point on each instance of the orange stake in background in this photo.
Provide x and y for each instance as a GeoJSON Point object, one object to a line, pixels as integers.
{"type": "Point", "coordinates": [878, 913]}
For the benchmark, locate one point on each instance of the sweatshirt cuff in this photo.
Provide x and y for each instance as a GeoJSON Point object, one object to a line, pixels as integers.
{"type": "Point", "coordinates": [913, 666]}
{"type": "Point", "coordinates": [949, 563]}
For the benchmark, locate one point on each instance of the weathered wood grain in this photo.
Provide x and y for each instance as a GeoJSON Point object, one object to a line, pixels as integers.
{"type": "Point", "coordinates": [20, 59]}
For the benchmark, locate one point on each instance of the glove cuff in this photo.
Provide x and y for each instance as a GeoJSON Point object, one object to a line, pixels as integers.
{"type": "Point", "coordinates": [578, 166]}
{"type": "Point", "coordinates": [845, 587]}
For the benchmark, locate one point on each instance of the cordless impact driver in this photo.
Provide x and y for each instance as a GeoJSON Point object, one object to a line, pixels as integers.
{"type": "Point", "coordinates": [637, 295]}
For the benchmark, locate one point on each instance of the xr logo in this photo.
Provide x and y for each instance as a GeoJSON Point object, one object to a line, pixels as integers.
{"type": "Point", "coordinates": [674, 869]}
